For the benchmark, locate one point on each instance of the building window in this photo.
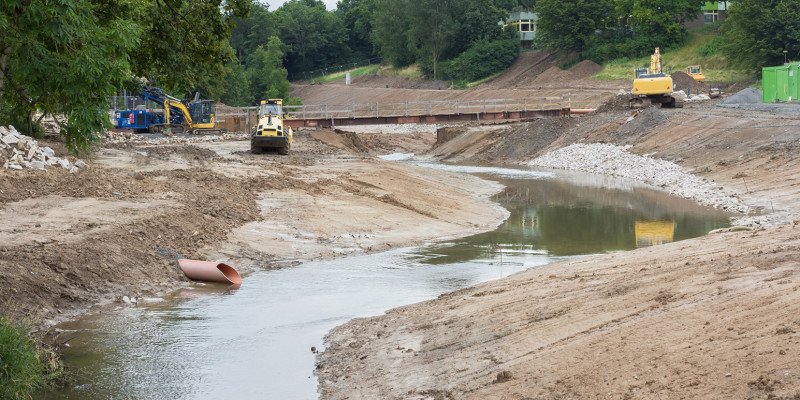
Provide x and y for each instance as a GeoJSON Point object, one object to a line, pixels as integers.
{"type": "Point", "coordinates": [711, 16]}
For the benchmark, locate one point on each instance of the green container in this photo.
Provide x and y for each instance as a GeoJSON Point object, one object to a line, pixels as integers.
{"type": "Point", "coordinates": [781, 83]}
{"type": "Point", "coordinates": [769, 83]}
{"type": "Point", "coordinates": [794, 82]}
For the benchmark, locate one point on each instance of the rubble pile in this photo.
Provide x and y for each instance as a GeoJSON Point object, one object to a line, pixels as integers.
{"type": "Point", "coordinates": [131, 138]}
{"type": "Point", "coordinates": [601, 158]}
{"type": "Point", "coordinates": [18, 151]}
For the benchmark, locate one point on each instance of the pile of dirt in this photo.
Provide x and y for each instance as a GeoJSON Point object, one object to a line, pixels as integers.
{"type": "Point", "coordinates": [558, 76]}
{"type": "Point", "coordinates": [682, 81]}
{"type": "Point", "coordinates": [528, 67]}
{"type": "Point", "coordinates": [619, 102]}
{"type": "Point", "coordinates": [641, 125]}
{"type": "Point", "coordinates": [585, 69]}
{"type": "Point", "coordinates": [746, 96]}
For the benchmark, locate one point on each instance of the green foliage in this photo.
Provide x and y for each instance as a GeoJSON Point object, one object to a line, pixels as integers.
{"type": "Point", "coordinates": [22, 366]}
{"type": "Point", "coordinates": [428, 31]}
{"type": "Point", "coordinates": [65, 57]}
{"type": "Point", "coordinates": [482, 60]}
{"type": "Point", "coordinates": [184, 44]}
{"type": "Point", "coordinates": [569, 24]}
{"type": "Point", "coordinates": [609, 29]}
{"type": "Point", "coordinates": [759, 31]}
{"type": "Point", "coordinates": [59, 57]}
{"type": "Point", "coordinates": [236, 91]}
{"type": "Point", "coordinates": [713, 46]}
{"type": "Point", "coordinates": [267, 77]}
{"type": "Point", "coordinates": [357, 16]}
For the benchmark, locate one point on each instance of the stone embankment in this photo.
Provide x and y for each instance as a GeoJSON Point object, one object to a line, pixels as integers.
{"type": "Point", "coordinates": [608, 159]}
{"type": "Point", "coordinates": [18, 151]}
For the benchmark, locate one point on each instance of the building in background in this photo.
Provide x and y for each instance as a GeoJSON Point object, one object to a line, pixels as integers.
{"type": "Point", "coordinates": [524, 22]}
{"type": "Point", "coordinates": [713, 11]}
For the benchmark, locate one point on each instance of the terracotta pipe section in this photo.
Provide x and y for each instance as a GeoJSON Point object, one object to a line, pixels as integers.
{"type": "Point", "coordinates": [209, 271]}
{"type": "Point", "coordinates": [582, 110]}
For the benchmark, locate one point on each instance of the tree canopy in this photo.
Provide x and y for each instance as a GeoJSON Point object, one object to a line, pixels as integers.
{"type": "Point", "coordinates": [607, 29]}
{"type": "Point", "coordinates": [65, 57]}
{"type": "Point", "coordinates": [759, 31]}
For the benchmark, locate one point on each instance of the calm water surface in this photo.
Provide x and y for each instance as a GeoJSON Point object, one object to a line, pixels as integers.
{"type": "Point", "coordinates": [214, 342]}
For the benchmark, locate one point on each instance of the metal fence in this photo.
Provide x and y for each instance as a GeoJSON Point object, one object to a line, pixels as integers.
{"type": "Point", "coordinates": [447, 107]}
{"type": "Point", "coordinates": [309, 75]}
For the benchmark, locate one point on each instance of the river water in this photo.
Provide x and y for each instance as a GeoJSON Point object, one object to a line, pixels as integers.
{"type": "Point", "coordinates": [212, 341]}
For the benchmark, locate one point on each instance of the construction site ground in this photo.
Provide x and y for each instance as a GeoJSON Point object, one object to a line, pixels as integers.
{"type": "Point", "coordinates": [706, 318]}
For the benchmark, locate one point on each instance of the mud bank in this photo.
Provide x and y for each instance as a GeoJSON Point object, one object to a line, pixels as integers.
{"type": "Point", "coordinates": [707, 318]}
{"type": "Point", "coordinates": [73, 241]}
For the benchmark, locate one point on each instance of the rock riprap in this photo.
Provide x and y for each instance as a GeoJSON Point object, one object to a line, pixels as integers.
{"type": "Point", "coordinates": [18, 152]}
{"type": "Point", "coordinates": [608, 159]}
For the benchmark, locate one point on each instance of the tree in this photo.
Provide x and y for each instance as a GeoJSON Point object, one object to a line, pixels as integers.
{"type": "Point", "coordinates": [434, 26]}
{"type": "Point", "coordinates": [60, 57]}
{"type": "Point", "coordinates": [570, 24]}
{"type": "Point", "coordinates": [266, 73]}
{"type": "Point", "coordinates": [759, 31]}
{"type": "Point", "coordinates": [357, 15]}
{"type": "Point", "coordinates": [66, 57]}
{"type": "Point", "coordinates": [314, 37]}
{"type": "Point", "coordinates": [391, 25]}
{"type": "Point", "coordinates": [237, 86]}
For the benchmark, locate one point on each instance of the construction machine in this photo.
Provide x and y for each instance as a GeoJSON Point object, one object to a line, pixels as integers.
{"type": "Point", "coordinates": [175, 116]}
{"type": "Point", "coordinates": [271, 133]}
{"type": "Point", "coordinates": [696, 72]}
{"type": "Point", "coordinates": [652, 85]}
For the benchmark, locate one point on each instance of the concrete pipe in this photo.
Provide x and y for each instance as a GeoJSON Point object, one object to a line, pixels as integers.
{"type": "Point", "coordinates": [209, 271]}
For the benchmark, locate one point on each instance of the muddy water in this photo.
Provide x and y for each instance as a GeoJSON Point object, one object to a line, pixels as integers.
{"type": "Point", "coordinates": [254, 342]}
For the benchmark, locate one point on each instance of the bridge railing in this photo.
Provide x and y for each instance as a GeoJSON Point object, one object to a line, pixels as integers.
{"type": "Point", "coordinates": [452, 107]}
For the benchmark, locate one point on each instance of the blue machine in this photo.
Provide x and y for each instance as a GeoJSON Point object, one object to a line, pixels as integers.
{"type": "Point", "coordinates": [195, 116]}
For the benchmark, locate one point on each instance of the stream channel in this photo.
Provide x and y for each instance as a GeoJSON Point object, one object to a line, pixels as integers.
{"type": "Point", "coordinates": [210, 341]}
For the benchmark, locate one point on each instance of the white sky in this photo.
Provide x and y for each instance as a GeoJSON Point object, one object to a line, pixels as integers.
{"type": "Point", "coordinates": [274, 4]}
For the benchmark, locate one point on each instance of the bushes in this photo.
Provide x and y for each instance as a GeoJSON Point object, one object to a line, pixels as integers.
{"type": "Point", "coordinates": [481, 60]}
{"type": "Point", "coordinates": [22, 368]}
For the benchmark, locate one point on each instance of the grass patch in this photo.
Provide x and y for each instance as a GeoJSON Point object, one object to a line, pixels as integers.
{"type": "Point", "coordinates": [366, 70]}
{"type": "Point", "coordinates": [479, 81]}
{"type": "Point", "coordinates": [411, 71]}
{"type": "Point", "coordinates": [24, 366]}
{"type": "Point", "coordinates": [702, 49]}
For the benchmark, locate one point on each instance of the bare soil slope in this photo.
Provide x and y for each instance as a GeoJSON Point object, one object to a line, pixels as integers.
{"type": "Point", "coordinates": [69, 241]}
{"type": "Point", "coordinates": [708, 318]}
{"type": "Point", "coordinates": [533, 75]}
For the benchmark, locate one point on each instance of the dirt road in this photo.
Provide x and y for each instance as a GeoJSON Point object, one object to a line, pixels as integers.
{"type": "Point", "coordinates": [708, 318]}
{"type": "Point", "coordinates": [72, 241]}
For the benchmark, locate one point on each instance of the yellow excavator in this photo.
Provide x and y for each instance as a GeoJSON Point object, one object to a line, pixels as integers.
{"type": "Point", "coordinates": [652, 86]}
{"type": "Point", "coordinates": [271, 133]}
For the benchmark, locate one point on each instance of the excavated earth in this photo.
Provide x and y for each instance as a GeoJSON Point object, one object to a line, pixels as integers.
{"type": "Point", "coordinates": [708, 318]}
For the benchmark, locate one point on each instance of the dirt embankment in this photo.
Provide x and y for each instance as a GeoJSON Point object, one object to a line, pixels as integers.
{"type": "Point", "coordinates": [534, 75]}
{"type": "Point", "coordinates": [708, 318]}
{"type": "Point", "coordinates": [70, 241]}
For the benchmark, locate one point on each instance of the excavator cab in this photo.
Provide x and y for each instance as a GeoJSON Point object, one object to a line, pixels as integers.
{"type": "Point", "coordinates": [696, 72]}
{"type": "Point", "coordinates": [203, 111]}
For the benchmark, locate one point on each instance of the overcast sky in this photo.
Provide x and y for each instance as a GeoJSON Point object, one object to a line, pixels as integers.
{"type": "Point", "coordinates": [274, 4]}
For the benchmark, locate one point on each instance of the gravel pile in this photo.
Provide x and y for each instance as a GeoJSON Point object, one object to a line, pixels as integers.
{"type": "Point", "coordinates": [131, 138]}
{"type": "Point", "coordinates": [18, 151]}
{"type": "Point", "coordinates": [614, 160]}
{"type": "Point", "coordinates": [745, 96]}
